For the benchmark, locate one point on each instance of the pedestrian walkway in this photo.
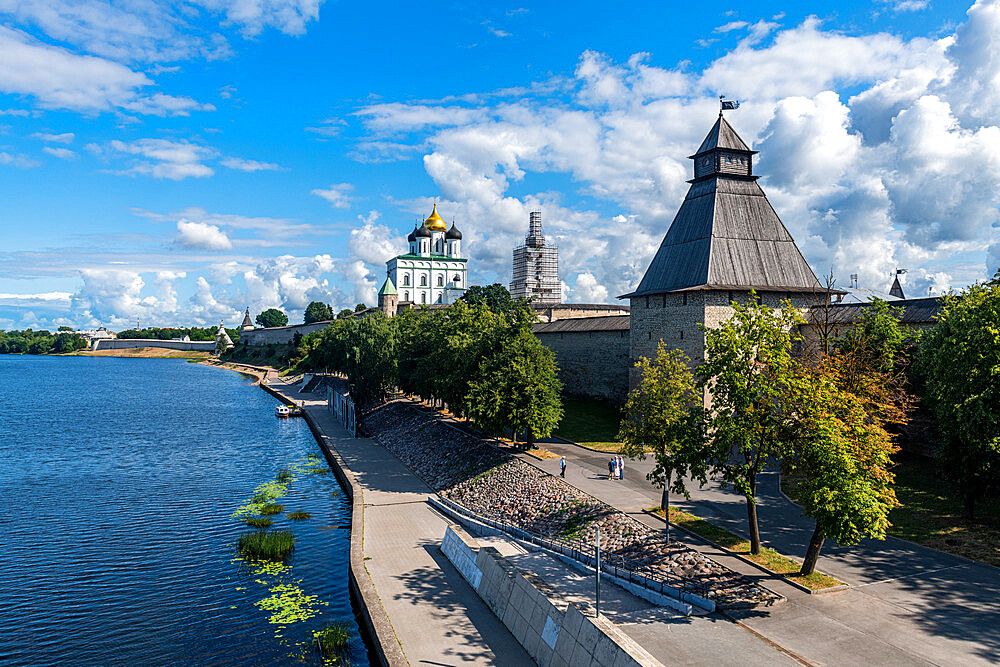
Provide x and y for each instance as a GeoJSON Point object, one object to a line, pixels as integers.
{"type": "Point", "coordinates": [437, 617]}
{"type": "Point", "coordinates": [909, 605]}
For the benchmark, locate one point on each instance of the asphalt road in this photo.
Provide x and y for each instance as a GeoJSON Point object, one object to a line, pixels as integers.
{"type": "Point", "coordinates": [908, 604]}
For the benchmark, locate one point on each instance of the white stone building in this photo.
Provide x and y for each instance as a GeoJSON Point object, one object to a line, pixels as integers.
{"type": "Point", "coordinates": [433, 270]}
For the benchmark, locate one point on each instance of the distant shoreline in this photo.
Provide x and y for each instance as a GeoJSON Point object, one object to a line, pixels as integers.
{"type": "Point", "coordinates": [140, 353]}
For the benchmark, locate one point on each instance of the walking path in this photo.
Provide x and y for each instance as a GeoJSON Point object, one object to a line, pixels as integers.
{"type": "Point", "coordinates": [908, 605]}
{"type": "Point", "coordinates": [437, 617]}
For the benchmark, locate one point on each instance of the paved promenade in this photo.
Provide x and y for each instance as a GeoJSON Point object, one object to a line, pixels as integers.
{"type": "Point", "coordinates": [908, 605]}
{"type": "Point", "coordinates": [437, 617]}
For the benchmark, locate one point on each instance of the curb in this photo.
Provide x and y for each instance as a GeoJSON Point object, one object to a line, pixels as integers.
{"type": "Point", "coordinates": [793, 584]}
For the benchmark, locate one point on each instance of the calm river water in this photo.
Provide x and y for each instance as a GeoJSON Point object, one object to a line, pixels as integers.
{"type": "Point", "coordinates": [120, 478]}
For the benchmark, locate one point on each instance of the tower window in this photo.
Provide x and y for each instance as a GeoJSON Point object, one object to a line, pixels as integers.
{"type": "Point", "coordinates": [650, 334]}
{"type": "Point", "coordinates": [406, 280]}
{"type": "Point", "coordinates": [440, 281]}
{"type": "Point", "coordinates": [647, 302]}
{"type": "Point", "coordinates": [685, 299]}
{"type": "Point", "coordinates": [423, 281]}
{"type": "Point", "coordinates": [423, 297]}
{"type": "Point", "coordinates": [682, 334]}
{"type": "Point", "coordinates": [406, 296]}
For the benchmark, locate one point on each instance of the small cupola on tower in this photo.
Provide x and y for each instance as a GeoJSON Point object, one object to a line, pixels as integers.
{"type": "Point", "coordinates": [423, 238]}
{"type": "Point", "coordinates": [723, 152]}
{"type": "Point", "coordinates": [453, 238]}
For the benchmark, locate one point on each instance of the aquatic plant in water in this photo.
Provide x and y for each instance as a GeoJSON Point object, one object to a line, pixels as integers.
{"type": "Point", "coordinates": [299, 516]}
{"type": "Point", "coordinates": [267, 544]}
{"type": "Point", "coordinates": [284, 475]}
{"type": "Point", "coordinates": [289, 604]}
{"type": "Point", "coordinates": [271, 508]}
{"type": "Point", "coordinates": [333, 639]}
{"type": "Point", "coordinates": [258, 522]}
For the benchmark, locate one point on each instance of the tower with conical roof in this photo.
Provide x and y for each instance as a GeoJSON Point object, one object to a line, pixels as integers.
{"type": "Point", "coordinates": [725, 241]}
{"type": "Point", "coordinates": [247, 324]}
{"type": "Point", "coordinates": [388, 297]}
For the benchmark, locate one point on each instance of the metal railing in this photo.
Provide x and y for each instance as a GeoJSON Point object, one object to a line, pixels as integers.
{"type": "Point", "coordinates": [675, 587]}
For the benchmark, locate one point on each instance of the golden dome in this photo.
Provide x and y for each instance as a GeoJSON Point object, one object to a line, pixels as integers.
{"type": "Point", "coordinates": [435, 222]}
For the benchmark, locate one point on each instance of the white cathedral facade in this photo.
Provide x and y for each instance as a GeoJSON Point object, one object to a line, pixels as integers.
{"type": "Point", "coordinates": [433, 270]}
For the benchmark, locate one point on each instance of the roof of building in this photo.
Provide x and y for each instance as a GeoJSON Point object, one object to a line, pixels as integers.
{"type": "Point", "coordinates": [897, 290]}
{"type": "Point", "coordinates": [726, 235]}
{"type": "Point", "coordinates": [579, 306]}
{"type": "Point", "coordinates": [411, 237]}
{"type": "Point", "coordinates": [722, 135]}
{"type": "Point", "coordinates": [436, 258]}
{"type": "Point", "coordinates": [584, 324]}
{"type": "Point", "coordinates": [915, 311]}
{"type": "Point", "coordinates": [422, 232]}
{"type": "Point", "coordinates": [864, 295]}
{"type": "Point", "coordinates": [387, 287]}
{"type": "Point", "coordinates": [453, 233]}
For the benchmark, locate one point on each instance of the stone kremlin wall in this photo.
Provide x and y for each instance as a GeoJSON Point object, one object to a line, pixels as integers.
{"type": "Point", "coordinates": [279, 335]}
{"type": "Point", "coordinates": [592, 354]}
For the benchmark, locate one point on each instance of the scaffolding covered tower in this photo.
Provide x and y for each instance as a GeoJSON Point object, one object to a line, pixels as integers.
{"type": "Point", "coordinates": [536, 267]}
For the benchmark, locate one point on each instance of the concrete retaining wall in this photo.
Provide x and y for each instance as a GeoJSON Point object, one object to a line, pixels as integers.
{"type": "Point", "coordinates": [129, 343]}
{"type": "Point", "coordinates": [553, 632]}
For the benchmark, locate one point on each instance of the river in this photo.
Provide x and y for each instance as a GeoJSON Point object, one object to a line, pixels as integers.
{"type": "Point", "coordinates": [120, 480]}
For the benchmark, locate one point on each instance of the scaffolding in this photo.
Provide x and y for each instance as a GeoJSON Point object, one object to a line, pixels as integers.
{"type": "Point", "coordinates": [536, 267]}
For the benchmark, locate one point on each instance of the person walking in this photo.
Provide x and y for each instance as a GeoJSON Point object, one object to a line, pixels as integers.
{"type": "Point", "coordinates": [611, 468]}
{"type": "Point", "coordinates": [562, 466]}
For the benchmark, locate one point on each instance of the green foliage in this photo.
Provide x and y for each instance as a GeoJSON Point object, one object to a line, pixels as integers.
{"type": "Point", "coordinates": [258, 522]}
{"type": "Point", "coordinates": [748, 369]}
{"type": "Point", "coordinates": [496, 297]}
{"type": "Point", "coordinates": [272, 317]}
{"type": "Point", "coordinates": [317, 311]}
{"type": "Point", "coordinates": [271, 509]}
{"type": "Point", "coordinates": [333, 639]}
{"type": "Point", "coordinates": [169, 333]}
{"type": "Point", "coordinates": [843, 454]}
{"type": "Point", "coordinates": [359, 307]}
{"type": "Point", "coordinates": [663, 416]}
{"type": "Point", "coordinates": [517, 387]}
{"type": "Point", "coordinates": [960, 361]}
{"type": "Point", "coordinates": [346, 312]}
{"type": "Point", "coordinates": [274, 545]}
{"type": "Point", "coordinates": [39, 342]}
{"type": "Point", "coordinates": [299, 516]}
{"type": "Point", "coordinates": [877, 338]}
{"type": "Point", "coordinates": [66, 342]}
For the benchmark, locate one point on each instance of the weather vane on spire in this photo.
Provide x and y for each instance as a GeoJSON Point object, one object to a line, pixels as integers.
{"type": "Point", "coordinates": [727, 105]}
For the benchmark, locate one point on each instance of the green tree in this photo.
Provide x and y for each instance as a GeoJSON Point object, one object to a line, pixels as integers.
{"type": "Point", "coordinates": [960, 359]}
{"type": "Point", "coordinates": [370, 358]}
{"type": "Point", "coordinates": [877, 339]}
{"type": "Point", "coordinates": [65, 342]}
{"type": "Point", "coordinates": [663, 416]}
{"type": "Point", "coordinates": [517, 388]}
{"type": "Point", "coordinates": [40, 345]}
{"type": "Point", "coordinates": [496, 297]}
{"type": "Point", "coordinates": [272, 317]}
{"type": "Point", "coordinates": [747, 371]}
{"type": "Point", "coordinates": [359, 307]}
{"type": "Point", "coordinates": [64, 328]}
{"type": "Point", "coordinates": [843, 454]}
{"type": "Point", "coordinates": [346, 312]}
{"type": "Point", "coordinates": [317, 311]}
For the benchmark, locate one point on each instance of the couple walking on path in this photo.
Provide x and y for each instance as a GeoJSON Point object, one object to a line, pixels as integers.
{"type": "Point", "coordinates": [616, 468]}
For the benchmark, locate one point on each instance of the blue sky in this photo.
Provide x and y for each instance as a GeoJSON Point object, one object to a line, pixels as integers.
{"type": "Point", "coordinates": [177, 162]}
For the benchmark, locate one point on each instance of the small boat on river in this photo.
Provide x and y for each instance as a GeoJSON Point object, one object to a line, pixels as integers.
{"type": "Point", "coordinates": [287, 411]}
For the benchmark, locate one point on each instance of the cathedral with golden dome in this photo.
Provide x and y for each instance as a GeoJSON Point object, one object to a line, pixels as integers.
{"type": "Point", "coordinates": [432, 271]}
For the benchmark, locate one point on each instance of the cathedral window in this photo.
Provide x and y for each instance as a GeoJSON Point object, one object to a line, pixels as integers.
{"type": "Point", "coordinates": [440, 281]}
{"type": "Point", "coordinates": [423, 297]}
{"type": "Point", "coordinates": [406, 296]}
{"type": "Point", "coordinates": [423, 281]}
{"type": "Point", "coordinates": [406, 280]}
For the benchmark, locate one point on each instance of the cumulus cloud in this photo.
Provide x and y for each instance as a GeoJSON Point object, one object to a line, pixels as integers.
{"type": "Point", "coordinates": [18, 160]}
{"type": "Point", "coordinates": [64, 138]}
{"type": "Point", "coordinates": [60, 79]}
{"type": "Point", "coordinates": [202, 235]}
{"type": "Point", "coordinates": [588, 290]}
{"type": "Point", "coordinates": [903, 173]}
{"type": "Point", "coordinates": [338, 194]}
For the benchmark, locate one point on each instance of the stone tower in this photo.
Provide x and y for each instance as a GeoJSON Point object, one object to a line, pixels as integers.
{"type": "Point", "coordinates": [247, 324]}
{"type": "Point", "coordinates": [724, 241]}
{"type": "Point", "coordinates": [388, 298]}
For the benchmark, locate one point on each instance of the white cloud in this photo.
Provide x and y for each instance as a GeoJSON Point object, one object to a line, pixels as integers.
{"type": "Point", "coordinates": [337, 194]}
{"type": "Point", "coordinates": [60, 79]}
{"type": "Point", "coordinates": [18, 160]}
{"type": "Point", "coordinates": [175, 160]}
{"type": "Point", "coordinates": [64, 138]}
{"type": "Point", "coordinates": [249, 165]}
{"type": "Point", "coordinates": [201, 235]}
{"type": "Point", "coordinates": [61, 153]}
{"type": "Point", "coordinates": [588, 290]}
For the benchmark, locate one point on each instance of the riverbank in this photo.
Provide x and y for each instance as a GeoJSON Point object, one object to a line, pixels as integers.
{"type": "Point", "coordinates": [142, 353]}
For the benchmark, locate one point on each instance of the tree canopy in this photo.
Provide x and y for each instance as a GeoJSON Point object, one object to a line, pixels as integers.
{"type": "Point", "coordinates": [960, 362]}
{"type": "Point", "coordinates": [496, 297]}
{"type": "Point", "coordinates": [317, 311]}
{"type": "Point", "coordinates": [272, 317]}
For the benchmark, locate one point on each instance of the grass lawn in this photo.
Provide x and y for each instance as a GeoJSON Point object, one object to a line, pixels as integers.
{"type": "Point", "coordinates": [591, 423]}
{"type": "Point", "coordinates": [929, 515]}
{"type": "Point", "coordinates": [542, 453]}
{"type": "Point", "coordinates": [767, 558]}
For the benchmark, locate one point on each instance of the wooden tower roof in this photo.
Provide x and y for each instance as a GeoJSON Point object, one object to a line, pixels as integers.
{"type": "Point", "coordinates": [726, 235]}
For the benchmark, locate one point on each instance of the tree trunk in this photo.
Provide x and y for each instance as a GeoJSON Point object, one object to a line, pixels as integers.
{"type": "Point", "coordinates": [969, 511]}
{"type": "Point", "coordinates": [812, 553]}
{"type": "Point", "coordinates": [752, 516]}
{"type": "Point", "coordinates": [665, 504]}
{"type": "Point", "coordinates": [530, 438]}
